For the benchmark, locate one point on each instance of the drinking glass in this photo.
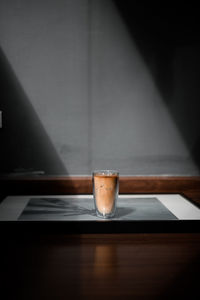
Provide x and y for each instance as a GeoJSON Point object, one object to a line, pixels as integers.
{"type": "Point", "coordinates": [105, 191]}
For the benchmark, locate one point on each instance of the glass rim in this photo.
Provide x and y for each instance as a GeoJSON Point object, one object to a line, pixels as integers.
{"type": "Point", "coordinates": [105, 172]}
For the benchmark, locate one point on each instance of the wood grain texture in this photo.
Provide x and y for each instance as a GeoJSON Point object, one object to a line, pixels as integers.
{"type": "Point", "coordinates": [128, 266]}
{"type": "Point", "coordinates": [187, 186]}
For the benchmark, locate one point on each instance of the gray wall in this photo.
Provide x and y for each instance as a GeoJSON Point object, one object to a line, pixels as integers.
{"type": "Point", "coordinates": [84, 89]}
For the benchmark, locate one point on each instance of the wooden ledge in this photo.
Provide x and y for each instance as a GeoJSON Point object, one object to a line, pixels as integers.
{"type": "Point", "coordinates": [187, 186]}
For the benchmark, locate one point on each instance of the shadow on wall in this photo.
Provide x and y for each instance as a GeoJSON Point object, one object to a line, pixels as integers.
{"type": "Point", "coordinates": [168, 37]}
{"type": "Point", "coordinates": [25, 146]}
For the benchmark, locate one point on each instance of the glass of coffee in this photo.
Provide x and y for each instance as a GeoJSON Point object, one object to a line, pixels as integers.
{"type": "Point", "coordinates": [105, 191]}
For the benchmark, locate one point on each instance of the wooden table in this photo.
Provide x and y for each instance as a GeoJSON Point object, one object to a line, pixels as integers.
{"type": "Point", "coordinates": [109, 266]}
{"type": "Point", "coordinates": [102, 266]}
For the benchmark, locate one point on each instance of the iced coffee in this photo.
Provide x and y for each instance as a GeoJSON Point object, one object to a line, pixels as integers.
{"type": "Point", "coordinates": [105, 190]}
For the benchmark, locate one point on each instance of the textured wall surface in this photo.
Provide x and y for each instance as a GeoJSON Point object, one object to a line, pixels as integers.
{"type": "Point", "coordinates": [86, 88]}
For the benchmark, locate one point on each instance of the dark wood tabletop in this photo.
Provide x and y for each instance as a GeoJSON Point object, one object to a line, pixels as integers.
{"type": "Point", "coordinates": [102, 266]}
{"type": "Point", "coordinates": [47, 265]}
